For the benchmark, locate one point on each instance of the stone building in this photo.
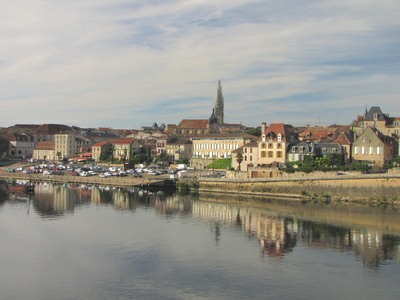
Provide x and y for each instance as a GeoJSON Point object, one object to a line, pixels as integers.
{"type": "Point", "coordinates": [274, 142]}
{"type": "Point", "coordinates": [374, 147]}
{"type": "Point", "coordinates": [44, 151]}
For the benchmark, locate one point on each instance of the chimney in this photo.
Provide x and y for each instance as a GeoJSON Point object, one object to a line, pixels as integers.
{"type": "Point", "coordinates": [263, 127]}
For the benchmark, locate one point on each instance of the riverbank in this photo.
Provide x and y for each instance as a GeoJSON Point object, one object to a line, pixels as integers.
{"type": "Point", "coordinates": [355, 188]}
{"type": "Point", "coordinates": [363, 188]}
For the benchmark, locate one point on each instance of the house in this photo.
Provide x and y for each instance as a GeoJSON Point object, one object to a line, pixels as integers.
{"type": "Point", "coordinates": [21, 144]}
{"type": "Point", "coordinates": [374, 147]}
{"type": "Point", "coordinates": [44, 151]}
{"type": "Point", "coordinates": [274, 142]}
{"type": "Point", "coordinates": [46, 132]}
{"type": "Point", "coordinates": [124, 148]}
{"type": "Point", "coordinates": [179, 149]}
{"type": "Point", "coordinates": [68, 144]}
{"type": "Point", "coordinates": [346, 139]}
{"type": "Point", "coordinates": [249, 153]}
{"type": "Point", "coordinates": [216, 146]}
{"type": "Point", "coordinates": [389, 126]}
{"type": "Point", "coordinates": [300, 150]}
{"type": "Point", "coordinates": [101, 149]}
{"type": "Point", "coordinates": [161, 144]}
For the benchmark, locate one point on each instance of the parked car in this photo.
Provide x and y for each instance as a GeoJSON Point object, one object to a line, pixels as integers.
{"type": "Point", "coordinates": [137, 175]}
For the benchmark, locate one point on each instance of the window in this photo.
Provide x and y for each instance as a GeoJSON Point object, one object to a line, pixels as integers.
{"type": "Point", "coordinates": [279, 146]}
{"type": "Point", "coordinates": [279, 137]}
{"type": "Point", "coordinates": [279, 154]}
{"type": "Point", "coordinates": [356, 150]}
{"type": "Point", "coordinates": [270, 153]}
{"type": "Point", "coordinates": [363, 150]}
{"type": "Point", "coordinates": [294, 149]}
{"type": "Point", "coordinates": [245, 157]}
{"type": "Point", "coordinates": [251, 150]}
{"type": "Point", "coordinates": [379, 150]}
{"type": "Point", "coordinates": [263, 145]}
{"type": "Point", "coordinates": [263, 154]}
{"type": "Point", "coordinates": [270, 146]}
{"type": "Point", "coordinates": [372, 150]}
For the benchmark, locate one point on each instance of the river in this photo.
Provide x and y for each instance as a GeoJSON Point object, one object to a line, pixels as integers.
{"type": "Point", "coordinates": [87, 242]}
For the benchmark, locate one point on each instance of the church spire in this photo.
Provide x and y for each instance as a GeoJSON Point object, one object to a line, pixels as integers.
{"type": "Point", "coordinates": [219, 104]}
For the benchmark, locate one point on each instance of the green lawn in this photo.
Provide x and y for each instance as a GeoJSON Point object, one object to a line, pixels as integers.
{"type": "Point", "coordinates": [221, 164]}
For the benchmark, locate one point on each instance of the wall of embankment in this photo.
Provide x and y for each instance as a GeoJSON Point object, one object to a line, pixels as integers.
{"type": "Point", "coordinates": [364, 188]}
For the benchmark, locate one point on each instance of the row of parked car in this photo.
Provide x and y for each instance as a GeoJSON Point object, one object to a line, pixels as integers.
{"type": "Point", "coordinates": [91, 170]}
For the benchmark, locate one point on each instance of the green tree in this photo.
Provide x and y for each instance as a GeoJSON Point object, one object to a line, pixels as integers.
{"type": "Point", "coordinates": [4, 144]}
{"type": "Point", "coordinates": [254, 131]}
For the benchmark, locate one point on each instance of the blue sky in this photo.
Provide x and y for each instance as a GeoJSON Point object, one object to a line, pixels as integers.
{"type": "Point", "coordinates": [125, 64]}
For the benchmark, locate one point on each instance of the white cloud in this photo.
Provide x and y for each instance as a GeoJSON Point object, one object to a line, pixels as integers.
{"type": "Point", "coordinates": [119, 57]}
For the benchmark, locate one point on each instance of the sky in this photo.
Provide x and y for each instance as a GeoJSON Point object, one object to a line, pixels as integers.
{"type": "Point", "coordinates": [127, 64]}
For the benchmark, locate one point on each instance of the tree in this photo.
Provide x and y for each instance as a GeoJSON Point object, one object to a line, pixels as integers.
{"type": "Point", "coordinates": [254, 131]}
{"type": "Point", "coordinates": [4, 144]}
{"type": "Point", "coordinates": [239, 158]}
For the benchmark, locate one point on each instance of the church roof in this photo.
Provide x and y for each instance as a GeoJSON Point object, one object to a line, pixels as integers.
{"type": "Point", "coordinates": [193, 123]}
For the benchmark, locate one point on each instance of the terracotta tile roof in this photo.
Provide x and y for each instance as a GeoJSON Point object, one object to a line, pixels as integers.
{"type": "Point", "coordinates": [189, 124]}
{"type": "Point", "coordinates": [344, 138]}
{"type": "Point", "coordinates": [277, 128]}
{"type": "Point", "coordinates": [101, 144]}
{"type": "Point", "coordinates": [122, 141]}
{"type": "Point", "coordinates": [44, 146]}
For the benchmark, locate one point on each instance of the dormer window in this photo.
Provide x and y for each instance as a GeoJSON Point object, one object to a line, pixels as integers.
{"type": "Point", "coordinates": [263, 137]}
{"type": "Point", "coordinates": [279, 137]}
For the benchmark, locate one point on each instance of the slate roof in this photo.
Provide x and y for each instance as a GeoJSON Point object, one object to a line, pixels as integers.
{"type": "Point", "coordinates": [369, 116]}
{"type": "Point", "coordinates": [49, 129]}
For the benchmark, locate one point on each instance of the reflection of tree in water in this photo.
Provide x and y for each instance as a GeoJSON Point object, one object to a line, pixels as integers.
{"type": "Point", "coordinates": [323, 235]}
{"type": "Point", "coordinates": [216, 229]}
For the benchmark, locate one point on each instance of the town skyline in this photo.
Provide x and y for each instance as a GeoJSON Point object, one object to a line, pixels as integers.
{"type": "Point", "coordinates": [125, 64]}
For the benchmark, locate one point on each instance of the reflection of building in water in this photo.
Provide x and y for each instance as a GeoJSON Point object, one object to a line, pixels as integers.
{"type": "Point", "coordinates": [51, 199]}
{"type": "Point", "coordinates": [172, 205]}
{"type": "Point", "coordinates": [121, 200]}
{"type": "Point", "coordinates": [276, 235]}
{"type": "Point", "coordinates": [374, 247]}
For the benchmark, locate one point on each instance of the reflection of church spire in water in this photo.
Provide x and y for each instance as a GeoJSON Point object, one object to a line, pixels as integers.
{"type": "Point", "coordinates": [219, 104]}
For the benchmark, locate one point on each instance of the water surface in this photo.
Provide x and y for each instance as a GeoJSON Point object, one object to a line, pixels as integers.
{"type": "Point", "coordinates": [82, 242]}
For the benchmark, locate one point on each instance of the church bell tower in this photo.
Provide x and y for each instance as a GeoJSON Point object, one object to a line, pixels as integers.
{"type": "Point", "coordinates": [219, 104]}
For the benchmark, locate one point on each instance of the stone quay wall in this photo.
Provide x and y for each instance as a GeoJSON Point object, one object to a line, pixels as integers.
{"type": "Point", "coordinates": [357, 188]}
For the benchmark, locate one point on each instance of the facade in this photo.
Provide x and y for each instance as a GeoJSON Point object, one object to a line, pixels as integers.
{"type": "Point", "coordinates": [250, 156]}
{"type": "Point", "coordinates": [22, 144]}
{"type": "Point", "coordinates": [219, 145]}
{"type": "Point", "coordinates": [46, 132]}
{"type": "Point", "coordinates": [274, 142]}
{"type": "Point", "coordinates": [161, 144]}
{"type": "Point", "coordinates": [101, 148]}
{"type": "Point", "coordinates": [346, 139]}
{"type": "Point", "coordinates": [300, 150]}
{"type": "Point", "coordinates": [123, 148]}
{"type": "Point", "coordinates": [374, 147]}
{"type": "Point", "coordinates": [389, 126]}
{"type": "Point", "coordinates": [44, 151]}
{"type": "Point", "coordinates": [179, 149]}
